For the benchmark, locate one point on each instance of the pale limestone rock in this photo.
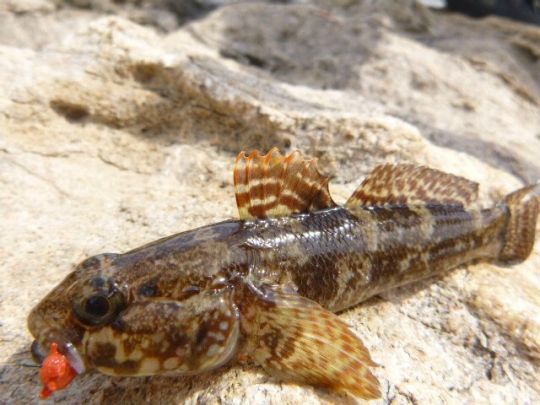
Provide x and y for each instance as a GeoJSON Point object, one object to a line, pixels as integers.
{"type": "Point", "coordinates": [113, 135]}
{"type": "Point", "coordinates": [26, 6]}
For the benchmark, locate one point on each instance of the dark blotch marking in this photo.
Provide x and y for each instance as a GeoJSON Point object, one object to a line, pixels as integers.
{"type": "Point", "coordinates": [451, 221]}
{"type": "Point", "coordinates": [91, 262]}
{"type": "Point", "coordinates": [103, 355]}
{"type": "Point", "coordinates": [385, 264]}
{"type": "Point", "coordinates": [202, 332]}
{"type": "Point", "coordinates": [318, 278]}
{"type": "Point", "coordinates": [178, 339]}
{"type": "Point", "coordinates": [149, 289]}
{"type": "Point", "coordinates": [288, 348]}
{"type": "Point", "coordinates": [97, 282]}
{"type": "Point", "coordinates": [391, 218]}
{"type": "Point", "coordinates": [272, 339]}
{"type": "Point", "coordinates": [95, 262]}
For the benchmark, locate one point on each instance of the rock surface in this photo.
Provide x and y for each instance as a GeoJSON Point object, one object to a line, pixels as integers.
{"type": "Point", "coordinates": [113, 134]}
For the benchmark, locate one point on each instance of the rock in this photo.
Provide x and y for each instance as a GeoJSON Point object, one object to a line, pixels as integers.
{"type": "Point", "coordinates": [114, 134]}
{"type": "Point", "coordinates": [26, 6]}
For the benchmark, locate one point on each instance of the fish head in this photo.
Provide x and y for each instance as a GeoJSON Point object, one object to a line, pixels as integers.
{"type": "Point", "coordinates": [85, 300]}
{"type": "Point", "coordinates": [102, 316]}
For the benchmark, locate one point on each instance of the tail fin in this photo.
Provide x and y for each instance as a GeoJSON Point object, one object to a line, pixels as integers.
{"type": "Point", "coordinates": [523, 206]}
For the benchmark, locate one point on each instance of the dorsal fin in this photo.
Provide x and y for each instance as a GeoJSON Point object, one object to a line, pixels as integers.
{"type": "Point", "coordinates": [408, 184]}
{"type": "Point", "coordinates": [274, 185]}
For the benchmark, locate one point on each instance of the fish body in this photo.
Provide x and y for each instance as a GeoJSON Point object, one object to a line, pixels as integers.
{"type": "Point", "coordinates": [340, 257]}
{"type": "Point", "coordinates": [266, 287]}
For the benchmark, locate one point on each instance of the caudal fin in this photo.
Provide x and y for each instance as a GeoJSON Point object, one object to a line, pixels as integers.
{"type": "Point", "coordinates": [524, 206]}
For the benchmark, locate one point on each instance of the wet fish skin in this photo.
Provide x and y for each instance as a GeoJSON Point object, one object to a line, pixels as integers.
{"type": "Point", "coordinates": [266, 287]}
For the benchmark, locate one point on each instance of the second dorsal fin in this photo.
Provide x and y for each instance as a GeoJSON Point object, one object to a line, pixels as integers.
{"type": "Point", "coordinates": [274, 185]}
{"type": "Point", "coordinates": [408, 184]}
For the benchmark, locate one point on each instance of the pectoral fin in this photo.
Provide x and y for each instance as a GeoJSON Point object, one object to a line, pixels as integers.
{"type": "Point", "coordinates": [296, 338]}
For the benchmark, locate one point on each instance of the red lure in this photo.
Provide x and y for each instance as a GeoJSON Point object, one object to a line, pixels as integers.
{"type": "Point", "coordinates": [56, 372]}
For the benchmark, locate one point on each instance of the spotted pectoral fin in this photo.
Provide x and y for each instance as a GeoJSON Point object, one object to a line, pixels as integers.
{"type": "Point", "coordinates": [413, 185]}
{"type": "Point", "coordinates": [274, 185]}
{"type": "Point", "coordinates": [297, 339]}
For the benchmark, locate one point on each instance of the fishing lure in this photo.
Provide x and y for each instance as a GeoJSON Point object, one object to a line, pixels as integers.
{"type": "Point", "coordinates": [266, 287]}
{"type": "Point", "coordinates": [56, 372]}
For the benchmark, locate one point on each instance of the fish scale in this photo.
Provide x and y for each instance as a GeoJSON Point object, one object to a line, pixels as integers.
{"type": "Point", "coordinates": [266, 287]}
{"type": "Point", "coordinates": [324, 251]}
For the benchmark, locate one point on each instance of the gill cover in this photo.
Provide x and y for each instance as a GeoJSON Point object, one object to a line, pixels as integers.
{"type": "Point", "coordinates": [163, 336]}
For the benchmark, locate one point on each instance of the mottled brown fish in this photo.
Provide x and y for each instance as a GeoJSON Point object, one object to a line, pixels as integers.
{"type": "Point", "coordinates": [266, 287]}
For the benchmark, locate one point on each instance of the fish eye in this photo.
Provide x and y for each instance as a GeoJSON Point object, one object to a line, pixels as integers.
{"type": "Point", "coordinates": [101, 306]}
{"type": "Point", "coordinates": [97, 306]}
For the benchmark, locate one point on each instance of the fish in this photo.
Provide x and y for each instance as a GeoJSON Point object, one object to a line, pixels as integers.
{"type": "Point", "coordinates": [268, 287]}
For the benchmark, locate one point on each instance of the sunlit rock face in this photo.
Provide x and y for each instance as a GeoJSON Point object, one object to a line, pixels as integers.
{"type": "Point", "coordinates": [116, 130]}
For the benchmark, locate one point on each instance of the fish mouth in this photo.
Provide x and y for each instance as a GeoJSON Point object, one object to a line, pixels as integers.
{"type": "Point", "coordinates": [37, 352]}
{"type": "Point", "coordinates": [68, 349]}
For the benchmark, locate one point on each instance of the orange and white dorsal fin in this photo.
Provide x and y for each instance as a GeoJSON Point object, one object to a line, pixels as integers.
{"type": "Point", "coordinates": [274, 185]}
{"type": "Point", "coordinates": [401, 184]}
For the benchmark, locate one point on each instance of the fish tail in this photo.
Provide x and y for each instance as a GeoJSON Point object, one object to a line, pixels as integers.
{"type": "Point", "coordinates": [523, 208]}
